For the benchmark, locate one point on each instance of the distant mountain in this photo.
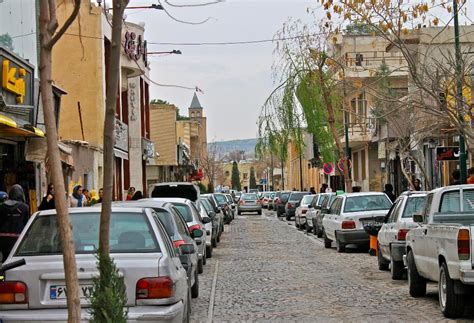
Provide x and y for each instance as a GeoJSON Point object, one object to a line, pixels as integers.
{"type": "Point", "coordinates": [247, 145]}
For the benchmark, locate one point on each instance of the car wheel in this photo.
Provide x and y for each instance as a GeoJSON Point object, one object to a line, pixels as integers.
{"type": "Point", "coordinates": [195, 288]}
{"type": "Point", "coordinates": [209, 250]}
{"type": "Point", "coordinates": [308, 229]}
{"type": "Point", "coordinates": [416, 283]}
{"type": "Point", "coordinates": [340, 246]}
{"type": "Point", "coordinates": [259, 212]}
{"type": "Point", "coordinates": [397, 269]}
{"type": "Point", "coordinates": [288, 218]}
{"type": "Point", "coordinates": [200, 268]}
{"type": "Point", "coordinates": [381, 261]}
{"type": "Point", "coordinates": [214, 242]}
{"type": "Point", "coordinates": [452, 304]}
{"type": "Point", "coordinates": [327, 241]}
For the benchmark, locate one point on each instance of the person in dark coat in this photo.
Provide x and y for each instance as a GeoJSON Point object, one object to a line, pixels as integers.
{"type": "Point", "coordinates": [312, 190]}
{"type": "Point", "coordinates": [389, 192]}
{"type": "Point", "coordinates": [14, 214]}
{"type": "Point", "coordinates": [137, 196]}
{"type": "Point", "coordinates": [456, 177]}
{"type": "Point", "coordinates": [48, 201]}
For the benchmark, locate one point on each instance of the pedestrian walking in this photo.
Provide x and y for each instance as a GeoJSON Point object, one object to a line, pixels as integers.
{"type": "Point", "coordinates": [14, 214]}
{"type": "Point", "coordinates": [456, 177]}
{"type": "Point", "coordinates": [389, 192]}
{"type": "Point", "coordinates": [77, 199]}
{"type": "Point", "coordinates": [417, 184]}
{"type": "Point", "coordinates": [48, 201]}
{"type": "Point", "coordinates": [470, 179]}
{"type": "Point", "coordinates": [130, 193]}
{"type": "Point", "coordinates": [137, 196]}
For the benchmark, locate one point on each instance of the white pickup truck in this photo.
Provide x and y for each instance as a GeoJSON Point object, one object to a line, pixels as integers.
{"type": "Point", "coordinates": [440, 249]}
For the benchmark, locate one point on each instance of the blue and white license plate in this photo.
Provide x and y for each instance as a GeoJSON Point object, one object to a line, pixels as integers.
{"type": "Point", "coordinates": [60, 291]}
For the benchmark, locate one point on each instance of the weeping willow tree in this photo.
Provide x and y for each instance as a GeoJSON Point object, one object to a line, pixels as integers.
{"type": "Point", "coordinates": [308, 95]}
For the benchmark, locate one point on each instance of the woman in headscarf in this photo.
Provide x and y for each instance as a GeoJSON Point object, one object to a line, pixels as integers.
{"type": "Point", "coordinates": [77, 198]}
{"type": "Point", "coordinates": [48, 201]}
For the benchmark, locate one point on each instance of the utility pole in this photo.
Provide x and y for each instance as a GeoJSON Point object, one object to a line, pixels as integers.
{"type": "Point", "coordinates": [459, 83]}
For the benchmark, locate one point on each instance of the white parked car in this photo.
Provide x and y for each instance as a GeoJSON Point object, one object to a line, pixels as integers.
{"type": "Point", "coordinates": [314, 216]}
{"type": "Point", "coordinates": [441, 248]}
{"type": "Point", "coordinates": [302, 210]}
{"type": "Point", "coordinates": [342, 223]}
{"type": "Point", "coordinates": [140, 246]}
{"type": "Point", "coordinates": [391, 237]}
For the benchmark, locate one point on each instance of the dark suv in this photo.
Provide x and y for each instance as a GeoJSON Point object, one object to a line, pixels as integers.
{"type": "Point", "coordinates": [293, 202]}
{"type": "Point", "coordinates": [281, 199]}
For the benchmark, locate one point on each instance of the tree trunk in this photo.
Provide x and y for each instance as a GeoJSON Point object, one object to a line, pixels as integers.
{"type": "Point", "coordinates": [47, 25]}
{"type": "Point", "coordinates": [109, 123]}
{"type": "Point", "coordinates": [332, 126]}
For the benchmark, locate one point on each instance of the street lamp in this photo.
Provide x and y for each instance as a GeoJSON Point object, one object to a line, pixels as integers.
{"type": "Point", "coordinates": [174, 51]}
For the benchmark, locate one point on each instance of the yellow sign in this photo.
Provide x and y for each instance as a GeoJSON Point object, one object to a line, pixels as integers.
{"type": "Point", "coordinates": [466, 93]}
{"type": "Point", "coordinates": [12, 82]}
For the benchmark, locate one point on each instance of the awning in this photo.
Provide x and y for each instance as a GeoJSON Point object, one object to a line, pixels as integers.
{"type": "Point", "coordinates": [9, 128]}
{"type": "Point", "coordinates": [36, 151]}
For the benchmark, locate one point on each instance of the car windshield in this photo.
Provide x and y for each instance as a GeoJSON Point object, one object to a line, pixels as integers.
{"type": "Point", "coordinates": [185, 211]}
{"type": "Point", "coordinates": [307, 199]}
{"type": "Point", "coordinates": [229, 198]}
{"type": "Point", "coordinates": [297, 196]}
{"type": "Point", "coordinates": [249, 197]}
{"type": "Point", "coordinates": [415, 205]}
{"type": "Point", "coordinates": [220, 198]}
{"type": "Point", "coordinates": [129, 233]}
{"type": "Point", "coordinates": [367, 203]}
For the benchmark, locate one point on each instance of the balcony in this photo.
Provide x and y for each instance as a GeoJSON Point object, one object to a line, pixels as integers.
{"type": "Point", "coordinates": [358, 134]}
{"type": "Point", "coordinates": [366, 63]}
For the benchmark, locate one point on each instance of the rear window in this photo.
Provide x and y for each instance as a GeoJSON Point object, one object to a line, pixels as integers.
{"type": "Point", "coordinates": [285, 196]}
{"type": "Point", "coordinates": [205, 203]}
{"type": "Point", "coordinates": [415, 205]}
{"type": "Point", "coordinates": [367, 203]}
{"type": "Point", "coordinates": [297, 196]}
{"type": "Point", "coordinates": [221, 199]}
{"type": "Point", "coordinates": [249, 197]}
{"type": "Point", "coordinates": [307, 199]}
{"type": "Point", "coordinates": [185, 211]}
{"type": "Point", "coordinates": [129, 233]}
{"type": "Point", "coordinates": [167, 221]}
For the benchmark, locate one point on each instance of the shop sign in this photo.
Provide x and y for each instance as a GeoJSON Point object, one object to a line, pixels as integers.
{"type": "Point", "coordinates": [16, 77]}
{"type": "Point", "coordinates": [447, 153]}
{"type": "Point", "coordinates": [121, 135]}
{"type": "Point", "coordinates": [148, 148]}
{"type": "Point", "coordinates": [135, 47]}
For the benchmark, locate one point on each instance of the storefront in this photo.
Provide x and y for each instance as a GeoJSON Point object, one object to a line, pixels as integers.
{"type": "Point", "coordinates": [17, 124]}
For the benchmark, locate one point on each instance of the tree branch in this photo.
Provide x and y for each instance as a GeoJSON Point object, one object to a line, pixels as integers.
{"type": "Point", "coordinates": [69, 21]}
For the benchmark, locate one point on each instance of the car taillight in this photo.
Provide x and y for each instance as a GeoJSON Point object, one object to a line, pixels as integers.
{"type": "Point", "coordinates": [348, 224]}
{"type": "Point", "coordinates": [178, 243]}
{"type": "Point", "coordinates": [194, 227]}
{"type": "Point", "coordinates": [464, 248]}
{"type": "Point", "coordinates": [402, 234]}
{"type": "Point", "coordinates": [156, 287]}
{"type": "Point", "coordinates": [13, 292]}
{"type": "Point", "coordinates": [304, 211]}
{"type": "Point", "coordinates": [242, 202]}
{"type": "Point", "coordinates": [289, 205]}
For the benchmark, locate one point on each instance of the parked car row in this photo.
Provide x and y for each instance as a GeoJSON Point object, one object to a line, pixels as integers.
{"type": "Point", "coordinates": [160, 245]}
{"type": "Point", "coordinates": [424, 236]}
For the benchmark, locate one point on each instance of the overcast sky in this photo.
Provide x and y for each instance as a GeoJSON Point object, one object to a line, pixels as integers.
{"type": "Point", "coordinates": [235, 79]}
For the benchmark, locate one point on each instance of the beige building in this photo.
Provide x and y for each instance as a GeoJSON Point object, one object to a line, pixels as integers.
{"type": "Point", "coordinates": [244, 171]}
{"type": "Point", "coordinates": [84, 79]}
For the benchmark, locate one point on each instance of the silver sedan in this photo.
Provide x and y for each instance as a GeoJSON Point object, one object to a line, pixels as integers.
{"type": "Point", "coordinates": [139, 245]}
{"type": "Point", "coordinates": [249, 202]}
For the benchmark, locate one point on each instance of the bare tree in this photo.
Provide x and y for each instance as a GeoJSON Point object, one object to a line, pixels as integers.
{"type": "Point", "coordinates": [211, 163]}
{"type": "Point", "coordinates": [49, 35]}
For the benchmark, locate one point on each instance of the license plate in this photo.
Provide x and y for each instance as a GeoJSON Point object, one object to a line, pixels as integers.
{"type": "Point", "coordinates": [60, 292]}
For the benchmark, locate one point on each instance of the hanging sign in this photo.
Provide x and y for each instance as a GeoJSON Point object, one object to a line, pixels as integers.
{"type": "Point", "coordinates": [328, 168]}
{"type": "Point", "coordinates": [447, 153]}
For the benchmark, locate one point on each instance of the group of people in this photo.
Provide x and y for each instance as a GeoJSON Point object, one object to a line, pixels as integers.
{"type": "Point", "coordinates": [133, 195]}
{"type": "Point", "coordinates": [80, 197]}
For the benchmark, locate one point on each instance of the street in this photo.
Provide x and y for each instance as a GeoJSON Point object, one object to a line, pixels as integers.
{"type": "Point", "coordinates": [268, 270]}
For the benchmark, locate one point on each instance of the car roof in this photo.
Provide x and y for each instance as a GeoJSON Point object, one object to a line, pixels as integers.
{"type": "Point", "coordinates": [95, 209]}
{"type": "Point", "coordinates": [363, 194]}
{"type": "Point", "coordinates": [167, 199]}
{"type": "Point", "coordinates": [151, 202]}
{"type": "Point", "coordinates": [414, 193]}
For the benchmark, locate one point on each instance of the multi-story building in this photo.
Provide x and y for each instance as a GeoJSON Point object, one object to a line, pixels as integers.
{"type": "Point", "coordinates": [87, 46]}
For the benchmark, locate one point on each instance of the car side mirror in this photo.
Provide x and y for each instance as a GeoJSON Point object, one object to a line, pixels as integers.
{"type": "Point", "coordinates": [206, 220]}
{"type": "Point", "coordinates": [417, 218]}
{"type": "Point", "coordinates": [187, 248]}
{"type": "Point", "coordinates": [197, 233]}
{"type": "Point", "coordinates": [310, 207]}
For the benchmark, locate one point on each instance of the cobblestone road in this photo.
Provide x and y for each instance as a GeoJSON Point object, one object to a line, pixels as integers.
{"type": "Point", "coordinates": [266, 270]}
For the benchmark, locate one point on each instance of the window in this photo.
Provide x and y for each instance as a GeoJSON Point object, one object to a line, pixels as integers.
{"type": "Point", "coordinates": [359, 59]}
{"type": "Point", "coordinates": [181, 226]}
{"type": "Point", "coordinates": [363, 165]}
{"type": "Point", "coordinates": [249, 197]}
{"type": "Point", "coordinates": [355, 166]}
{"type": "Point", "coordinates": [227, 173]}
{"type": "Point", "coordinates": [129, 233]}
{"type": "Point", "coordinates": [336, 206]}
{"type": "Point", "coordinates": [414, 205]}
{"type": "Point", "coordinates": [168, 246]}
{"type": "Point", "coordinates": [393, 214]}
{"type": "Point", "coordinates": [426, 211]}
{"type": "Point", "coordinates": [468, 200]}
{"type": "Point", "coordinates": [367, 203]}
{"type": "Point", "coordinates": [284, 197]}
{"type": "Point", "coordinates": [450, 202]}
{"type": "Point", "coordinates": [359, 109]}
{"type": "Point", "coordinates": [246, 175]}
{"type": "Point", "coordinates": [185, 211]}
